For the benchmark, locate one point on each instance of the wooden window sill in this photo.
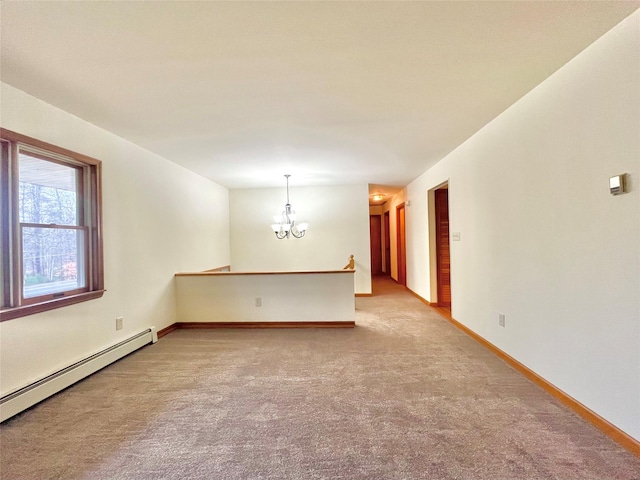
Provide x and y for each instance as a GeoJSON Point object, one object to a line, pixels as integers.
{"type": "Point", "coordinates": [24, 310]}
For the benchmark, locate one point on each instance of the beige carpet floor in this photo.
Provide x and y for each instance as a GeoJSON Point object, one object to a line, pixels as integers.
{"type": "Point", "coordinates": [404, 395]}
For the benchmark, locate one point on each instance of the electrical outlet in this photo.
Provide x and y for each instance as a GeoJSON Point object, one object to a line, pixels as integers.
{"type": "Point", "coordinates": [258, 301]}
{"type": "Point", "coordinates": [119, 322]}
{"type": "Point", "coordinates": [501, 319]}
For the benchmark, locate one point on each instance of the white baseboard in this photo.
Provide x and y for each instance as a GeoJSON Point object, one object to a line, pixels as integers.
{"type": "Point", "coordinates": [15, 402]}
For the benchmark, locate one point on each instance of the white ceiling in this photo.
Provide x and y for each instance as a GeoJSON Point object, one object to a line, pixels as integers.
{"type": "Point", "coordinates": [331, 92]}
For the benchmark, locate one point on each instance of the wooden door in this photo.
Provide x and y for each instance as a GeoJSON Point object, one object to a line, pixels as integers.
{"type": "Point", "coordinates": [401, 245]}
{"type": "Point", "coordinates": [387, 244]}
{"type": "Point", "coordinates": [443, 253]}
{"type": "Point", "coordinates": [375, 233]}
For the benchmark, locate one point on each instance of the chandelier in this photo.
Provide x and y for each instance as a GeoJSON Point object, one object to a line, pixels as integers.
{"type": "Point", "coordinates": [286, 222]}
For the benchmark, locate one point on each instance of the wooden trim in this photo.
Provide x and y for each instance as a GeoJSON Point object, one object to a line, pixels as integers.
{"type": "Point", "coordinates": [15, 245]}
{"type": "Point", "coordinates": [33, 142]}
{"type": "Point", "coordinates": [21, 311]}
{"type": "Point", "coordinates": [167, 330]}
{"type": "Point", "coordinates": [6, 239]}
{"type": "Point", "coordinates": [387, 242]}
{"type": "Point", "coordinates": [423, 300]}
{"type": "Point", "coordinates": [364, 294]}
{"type": "Point", "coordinates": [96, 235]}
{"type": "Point", "coordinates": [304, 272]}
{"type": "Point", "coordinates": [587, 414]}
{"type": "Point", "coordinates": [224, 268]}
{"type": "Point", "coordinates": [401, 245]}
{"type": "Point", "coordinates": [253, 325]}
{"type": "Point", "coordinates": [345, 324]}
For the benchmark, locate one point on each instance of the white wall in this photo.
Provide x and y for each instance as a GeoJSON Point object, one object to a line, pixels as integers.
{"type": "Point", "coordinates": [542, 240]}
{"type": "Point", "coordinates": [159, 219]}
{"type": "Point", "coordinates": [285, 297]}
{"type": "Point", "coordinates": [338, 219]}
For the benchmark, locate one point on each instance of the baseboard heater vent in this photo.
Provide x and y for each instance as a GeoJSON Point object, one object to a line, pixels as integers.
{"type": "Point", "coordinates": [13, 403]}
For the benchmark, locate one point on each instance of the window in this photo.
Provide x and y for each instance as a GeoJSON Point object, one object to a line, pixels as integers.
{"type": "Point", "coordinates": [51, 227]}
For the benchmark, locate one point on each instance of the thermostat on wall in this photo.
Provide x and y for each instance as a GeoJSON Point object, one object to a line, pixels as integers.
{"type": "Point", "coordinates": [616, 185]}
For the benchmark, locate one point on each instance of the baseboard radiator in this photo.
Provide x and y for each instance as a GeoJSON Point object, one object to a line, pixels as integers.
{"type": "Point", "coordinates": [15, 402]}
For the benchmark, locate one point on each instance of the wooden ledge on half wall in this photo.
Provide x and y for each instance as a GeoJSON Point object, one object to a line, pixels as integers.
{"type": "Point", "coordinates": [230, 273]}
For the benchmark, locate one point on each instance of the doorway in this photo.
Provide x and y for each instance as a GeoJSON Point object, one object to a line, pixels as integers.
{"type": "Point", "coordinates": [375, 234]}
{"type": "Point", "coordinates": [401, 245]}
{"type": "Point", "coordinates": [443, 249]}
